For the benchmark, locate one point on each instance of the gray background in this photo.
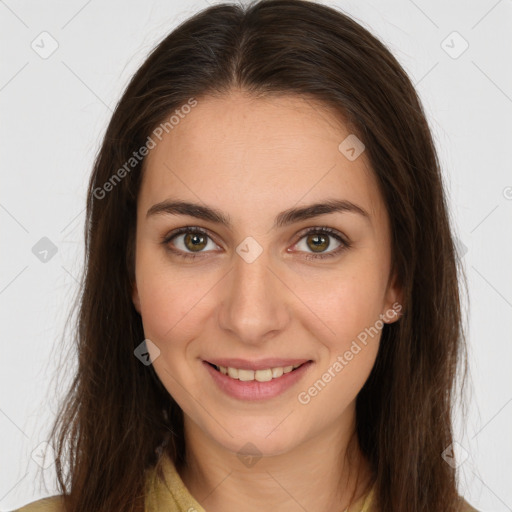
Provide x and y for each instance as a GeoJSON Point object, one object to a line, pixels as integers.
{"type": "Point", "coordinates": [54, 111]}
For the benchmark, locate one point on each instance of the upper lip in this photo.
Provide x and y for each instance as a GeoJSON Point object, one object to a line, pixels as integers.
{"type": "Point", "coordinates": [261, 364]}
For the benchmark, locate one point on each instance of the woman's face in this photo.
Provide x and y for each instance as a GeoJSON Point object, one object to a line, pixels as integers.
{"type": "Point", "coordinates": [255, 297]}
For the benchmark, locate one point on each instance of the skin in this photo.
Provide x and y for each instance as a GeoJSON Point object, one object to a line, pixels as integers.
{"type": "Point", "coordinates": [252, 159]}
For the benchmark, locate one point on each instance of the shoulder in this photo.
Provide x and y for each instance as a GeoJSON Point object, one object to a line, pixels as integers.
{"type": "Point", "coordinates": [51, 504]}
{"type": "Point", "coordinates": [466, 507]}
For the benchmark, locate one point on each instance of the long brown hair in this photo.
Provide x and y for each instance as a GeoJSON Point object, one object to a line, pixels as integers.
{"type": "Point", "coordinates": [117, 417]}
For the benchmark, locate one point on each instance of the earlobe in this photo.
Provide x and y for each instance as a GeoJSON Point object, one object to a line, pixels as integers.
{"type": "Point", "coordinates": [394, 302]}
{"type": "Point", "coordinates": [135, 297]}
{"type": "Point", "coordinates": [393, 313]}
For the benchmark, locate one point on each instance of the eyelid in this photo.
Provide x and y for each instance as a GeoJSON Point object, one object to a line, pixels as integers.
{"type": "Point", "coordinates": [186, 229]}
{"type": "Point", "coordinates": [323, 229]}
{"type": "Point", "coordinates": [343, 239]}
{"type": "Point", "coordinates": [340, 237]}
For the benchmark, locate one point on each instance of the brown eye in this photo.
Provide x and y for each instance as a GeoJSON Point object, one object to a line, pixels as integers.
{"type": "Point", "coordinates": [195, 241]}
{"type": "Point", "coordinates": [317, 242]}
{"type": "Point", "coordinates": [191, 242]}
{"type": "Point", "coordinates": [188, 242]}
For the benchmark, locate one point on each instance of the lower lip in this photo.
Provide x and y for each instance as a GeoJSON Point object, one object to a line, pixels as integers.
{"type": "Point", "coordinates": [254, 390]}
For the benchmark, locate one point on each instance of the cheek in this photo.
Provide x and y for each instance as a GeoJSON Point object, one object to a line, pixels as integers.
{"type": "Point", "coordinates": [166, 307]}
{"type": "Point", "coordinates": [350, 307]}
{"type": "Point", "coordinates": [172, 301]}
{"type": "Point", "coordinates": [347, 302]}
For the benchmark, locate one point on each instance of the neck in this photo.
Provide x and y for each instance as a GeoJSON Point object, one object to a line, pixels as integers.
{"type": "Point", "coordinates": [318, 475]}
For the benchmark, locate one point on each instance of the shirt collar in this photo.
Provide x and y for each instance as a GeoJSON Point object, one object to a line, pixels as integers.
{"type": "Point", "coordinates": [169, 493]}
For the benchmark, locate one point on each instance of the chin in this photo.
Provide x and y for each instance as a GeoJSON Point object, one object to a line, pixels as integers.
{"type": "Point", "coordinates": [257, 442]}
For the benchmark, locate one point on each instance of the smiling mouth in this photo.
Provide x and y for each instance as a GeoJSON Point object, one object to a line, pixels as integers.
{"type": "Point", "coordinates": [265, 375]}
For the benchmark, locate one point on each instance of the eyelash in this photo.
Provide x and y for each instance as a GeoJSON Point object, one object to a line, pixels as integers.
{"type": "Point", "coordinates": [309, 256]}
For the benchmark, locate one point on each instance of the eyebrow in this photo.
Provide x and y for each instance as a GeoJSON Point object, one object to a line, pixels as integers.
{"type": "Point", "coordinates": [284, 218]}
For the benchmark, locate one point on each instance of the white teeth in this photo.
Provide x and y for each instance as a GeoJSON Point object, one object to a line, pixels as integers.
{"type": "Point", "coordinates": [245, 374]}
{"type": "Point", "coordinates": [260, 375]}
{"type": "Point", "coordinates": [263, 375]}
{"type": "Point", "coordinates": [277, 372]}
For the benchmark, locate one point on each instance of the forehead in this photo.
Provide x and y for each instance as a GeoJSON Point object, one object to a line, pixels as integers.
{"type": "Point", "coordinates": [264, 153]}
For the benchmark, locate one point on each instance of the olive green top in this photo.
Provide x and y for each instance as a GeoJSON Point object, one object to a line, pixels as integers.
{"type": "Point", "coordinates": [173, 496]}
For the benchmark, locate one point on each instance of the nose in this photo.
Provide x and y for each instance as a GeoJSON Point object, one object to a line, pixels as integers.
{"type": "Point", "coordinates": [255, 304]}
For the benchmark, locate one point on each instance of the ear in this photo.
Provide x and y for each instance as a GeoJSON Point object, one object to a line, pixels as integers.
{"type": "Point", "coordinates": [135, 297]}
{"type": "Point", "coordinates": [393, 304]}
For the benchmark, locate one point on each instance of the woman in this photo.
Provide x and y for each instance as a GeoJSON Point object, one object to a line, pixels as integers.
{"type": "Point", "coordinates": [270, 312]}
